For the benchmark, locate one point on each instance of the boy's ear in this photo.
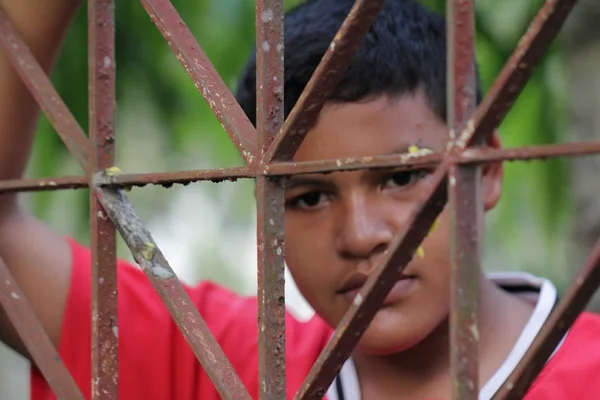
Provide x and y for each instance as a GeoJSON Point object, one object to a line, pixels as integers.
{"type": "Point", "coordinates": [492, 175]}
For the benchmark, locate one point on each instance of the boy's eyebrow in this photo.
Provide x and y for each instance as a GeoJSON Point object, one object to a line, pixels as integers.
{"type": "Point", "coordinates": [303, 180]}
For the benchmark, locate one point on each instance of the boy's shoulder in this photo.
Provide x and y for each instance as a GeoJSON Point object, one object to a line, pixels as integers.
{"type": "Point", "coordinates": [572, 371]}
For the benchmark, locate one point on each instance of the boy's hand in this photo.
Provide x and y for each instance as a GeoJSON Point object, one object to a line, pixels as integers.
{"type": "Point", "coordinates": [38, 258]}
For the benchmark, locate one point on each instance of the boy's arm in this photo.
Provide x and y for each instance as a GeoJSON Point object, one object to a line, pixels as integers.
{"type": "Point", "coordinates": [38, 258]}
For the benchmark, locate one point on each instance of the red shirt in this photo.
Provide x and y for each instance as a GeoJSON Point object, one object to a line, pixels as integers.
{"type": "Point", "coordinates": [156, 363]}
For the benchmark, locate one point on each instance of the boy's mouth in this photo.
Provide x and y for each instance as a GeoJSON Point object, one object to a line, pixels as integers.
{"type": "Point", "coordinates": [353, 284]}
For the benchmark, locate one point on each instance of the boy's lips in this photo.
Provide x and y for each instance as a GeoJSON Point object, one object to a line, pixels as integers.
{"type": "Point", "coordinates": [353, 284]}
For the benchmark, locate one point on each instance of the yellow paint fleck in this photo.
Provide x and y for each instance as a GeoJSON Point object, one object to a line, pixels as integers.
{"type": "Point", "coordinates": [113, 171]}
{"type": "Point", "coordinates": [148, 251]}
{"type": "Point", "coordinates": [418, 151]}
{"type": "Point", "coordinates": [421, 252]}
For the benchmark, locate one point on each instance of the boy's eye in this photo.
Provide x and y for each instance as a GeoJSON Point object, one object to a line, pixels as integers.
{"type": "Point", "coordinates": [404, 178]}
{"type": "Point", "coordinates": [308, 200]}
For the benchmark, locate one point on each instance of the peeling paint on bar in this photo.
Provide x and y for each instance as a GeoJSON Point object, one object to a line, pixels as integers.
{"type": "Point", "coordinates": [170, 290]}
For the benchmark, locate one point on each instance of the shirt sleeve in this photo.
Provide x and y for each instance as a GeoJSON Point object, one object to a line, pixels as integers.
{"type": "Point", "coordinates": [155, 360]}
{"type": "Point", "coordinates": [144, 330]}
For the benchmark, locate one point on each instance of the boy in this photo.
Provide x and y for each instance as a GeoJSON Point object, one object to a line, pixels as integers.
{"type": "Point", "coordinates": [337, 228]}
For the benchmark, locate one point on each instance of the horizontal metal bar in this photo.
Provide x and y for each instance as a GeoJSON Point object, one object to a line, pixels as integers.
{"type": "Point", "coordinates": [32, 333]}
{"type": "Point", "coordinates": [411, 161]}
{"type": "Point", "coordinates": [468, 156]}
{"type": "Point", "coordinates": [179, 177]}
{"type": "Point", "coordinates": [328, 73]}
{"type": "Point", "coordinates": [205, 77]}
{"type": "Point", "coordinates": [41, 88]}
{"type": "Point", "coordinates": [560, 321]}
{"type": "Point", "coordinates": [43, 184]}
{"type": "Point", "coordinates": [170, 290]}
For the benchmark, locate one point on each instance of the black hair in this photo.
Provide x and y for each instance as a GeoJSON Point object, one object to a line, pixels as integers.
{"type": "Point", "coordinates": [403, 52]}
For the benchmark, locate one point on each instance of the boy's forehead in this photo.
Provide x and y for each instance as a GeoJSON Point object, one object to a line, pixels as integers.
{"type": "Point", "coordinates": [378, 127]}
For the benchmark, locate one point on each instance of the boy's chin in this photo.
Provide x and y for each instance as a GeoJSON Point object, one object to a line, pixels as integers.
{"type": "Point", "coordinates": [388, 339]}
{"type": "Point", "coordinates": [376, 347]}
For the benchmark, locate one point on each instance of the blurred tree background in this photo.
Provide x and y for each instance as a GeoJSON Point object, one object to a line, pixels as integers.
{"type": "Point", "coordinates": [207, 230]}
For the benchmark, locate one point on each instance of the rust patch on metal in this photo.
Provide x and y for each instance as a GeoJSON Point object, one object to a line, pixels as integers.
{"type": "Point", "coordinates": [465, 206]}
{"type": "Point", "coordinates": [105, 326]}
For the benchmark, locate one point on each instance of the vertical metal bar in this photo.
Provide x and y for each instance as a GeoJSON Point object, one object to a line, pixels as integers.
{"type": "Point", "coordinates": [270, 202]}
{"type": "Point", "coordinates": [31, 331]}
{"type": "Point", "coordinates": [102, 135]}
{"type": "Point", "coordinates": [465, 206]}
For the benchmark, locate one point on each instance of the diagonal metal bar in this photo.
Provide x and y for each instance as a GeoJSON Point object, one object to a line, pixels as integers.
{"type": "Point", "coordinates": [572, 304]}
{"type": "Point", "coordinates": [352, 326]}
{"type": "Point", "coordinates": [205, 77]}
{"type": "Point", "coordinates": [269, 203]}
{"type": "Point", "coordinates": [183, 311]}
{"type": "Point", "coordinates": [517, 70]}
{"type": "Point", "coordinates": [464, 202]}
{"type": "Point", "coordinates": [330, 70]}
{"type": "Point", "coordinates": [101, 26]}
{"type": "Point", "coordinates": [372, 294]}
{"type": "Point", "coordinates": [44, 93]}
{"type": "Point", "coordinates": [31, 331]}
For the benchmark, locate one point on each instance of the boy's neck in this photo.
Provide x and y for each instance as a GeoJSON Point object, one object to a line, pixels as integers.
{"type": "Point", "coordinates": [423, 371]}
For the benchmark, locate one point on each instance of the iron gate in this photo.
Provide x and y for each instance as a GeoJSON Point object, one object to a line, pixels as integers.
{"type": "Point", "coordinates": [267, 151]}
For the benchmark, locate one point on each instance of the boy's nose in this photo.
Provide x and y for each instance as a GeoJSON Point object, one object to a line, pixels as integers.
{"type": "Point", "coordinates": [364, 230]}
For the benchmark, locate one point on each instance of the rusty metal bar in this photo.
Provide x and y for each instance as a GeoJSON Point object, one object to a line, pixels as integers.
{"type": "Point", "coordinates": [465, 205]}
{"type": "Point", "coordinates": [405, 243]}
{"type": "Point", "coordinates": [571, 305]}
{"type": "Point", "coordinates": [31, 332]}
{"type": "Point", "coordinates": [170, 290]}
{"type": "Point", "coordinates": [180, 177]}
{"type": "Point", "coordinates": [270, 202]}
{"type": "Point", "coordinates": [413, 161]}
{"type": "Point", "coordinates": [41, 88]}
{"type": "Point", "coordinates": [205, 77]}
{"type": "Point", "coordinates": [43, 184]}
{"type": "Point", "coordinates": [324, 80]}
{"type": "Point", "coordinates": [101, 31]}
{"type": "Point", "coordinates": [410, 161]}
{"type": "Point", "coordinates": [517, 70]}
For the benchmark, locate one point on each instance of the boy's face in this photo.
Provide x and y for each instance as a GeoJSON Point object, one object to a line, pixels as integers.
{"type": "Point", "coordinates": [339, 225]}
